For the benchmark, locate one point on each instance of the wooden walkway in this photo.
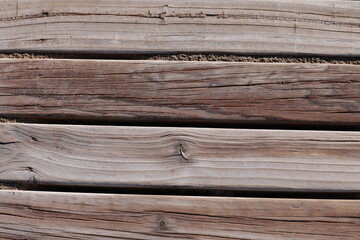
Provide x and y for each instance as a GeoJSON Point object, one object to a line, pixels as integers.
{"type": "Point", "coordinates": [102, 137]}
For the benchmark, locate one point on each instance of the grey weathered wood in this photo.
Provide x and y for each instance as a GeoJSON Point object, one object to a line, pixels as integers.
{"type": "Point", "coordinates": [215, 92]}
{"type": "Point", "coordinates": [54, 215]}
{"type": "Point", "coordinates": [161, 26]}
{"type": "Point", "coordinates": [182, 157]}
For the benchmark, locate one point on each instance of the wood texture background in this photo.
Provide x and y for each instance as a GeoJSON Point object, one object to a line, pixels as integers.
{"type": "Point", "coordinates": [50, 215]}
{"type": "Point", "coordinates": [193, 92]}
{"type": "Point", "coordinates": [162, 26]}
{"type": "Point", "coordinates": [211, 92]}
{"type": "Point", "coordinates": [182, 157]}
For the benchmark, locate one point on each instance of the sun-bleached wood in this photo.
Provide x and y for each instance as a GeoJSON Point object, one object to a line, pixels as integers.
{"type": "Point", "coordinates": [210, 92]}
{"type": "Point", "coordinates": [163, 26]}
{"type": "Point", "coordinates": [55, 215]}
{"type": "Point", "coordinates": [180, 157]}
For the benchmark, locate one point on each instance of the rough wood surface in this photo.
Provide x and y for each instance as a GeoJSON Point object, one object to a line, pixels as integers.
{"type": "Point", "coordinates": [182, 157]}
{"type": "Point", "coordinates": [162, 26]}
{"type": "Point", "coordinates": [214, 92]}
{"type": "Point", "coordinates": [46, 215]}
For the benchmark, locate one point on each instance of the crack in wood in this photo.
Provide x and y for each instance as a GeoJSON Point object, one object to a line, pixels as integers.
{"type": "Point", "coordinates": [7, 143]}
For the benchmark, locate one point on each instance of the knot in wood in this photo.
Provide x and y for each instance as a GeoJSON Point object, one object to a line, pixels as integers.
{"type": "Point", "coordinates": [182, 152]}
{"type": "Point", "coordinates": [161, 223]}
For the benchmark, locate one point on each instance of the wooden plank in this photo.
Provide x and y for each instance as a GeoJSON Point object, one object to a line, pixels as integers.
{"type": "Point", "coordinates": [180, 157]}
{"type": "Point", "coordinates": [163, 26]}
{"type": "Point", "coordinates": [211, 92]}
{"type": "Point", "coordinates": [51, 215]}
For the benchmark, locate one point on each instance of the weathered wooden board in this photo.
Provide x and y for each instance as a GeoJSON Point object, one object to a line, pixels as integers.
{"type": "Point", "coordinates": [181, 157]}
{"type": "Point", "coordinates": [211, 92]}
{"type": "Point", "coordinates": [162, 26]}
{"type": "Point", "coordinates": [51, 215]}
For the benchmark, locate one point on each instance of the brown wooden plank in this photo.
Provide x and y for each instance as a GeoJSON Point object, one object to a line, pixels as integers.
{"type": "Point", "coordinates": [180, 157]}
{"type": "Point", "coordinates": [215, 92]}
{"type": "Point", "coordinates": [51, 215]}
{"type": "Point", "coordinates": [162, 26]}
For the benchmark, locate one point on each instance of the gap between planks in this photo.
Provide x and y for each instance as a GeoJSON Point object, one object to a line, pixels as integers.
{"type": "Point", "coordinates": [117, 156]}
{"type": "Point", "coordinates": [172, 26]}
{"type": "Point", "coordinates": [180, 92]}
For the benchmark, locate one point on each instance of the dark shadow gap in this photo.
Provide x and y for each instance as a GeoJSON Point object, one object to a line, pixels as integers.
{"type": "Point", "coordinates": [189, 123]}
{"type": "Point", "coordinates": [178, 191]}
{"type": "Point", "coordinates": [181, 56]}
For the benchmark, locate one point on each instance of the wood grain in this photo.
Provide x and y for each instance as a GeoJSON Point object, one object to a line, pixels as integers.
{"type": "Point", "coordinates": [163, 26]}
{"type": "Point", "coordinates": [180, 157]}
{"type": "Point", "coordinates": [208, 92]}
{"type": "Point", "coordinates": [51, 215]}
